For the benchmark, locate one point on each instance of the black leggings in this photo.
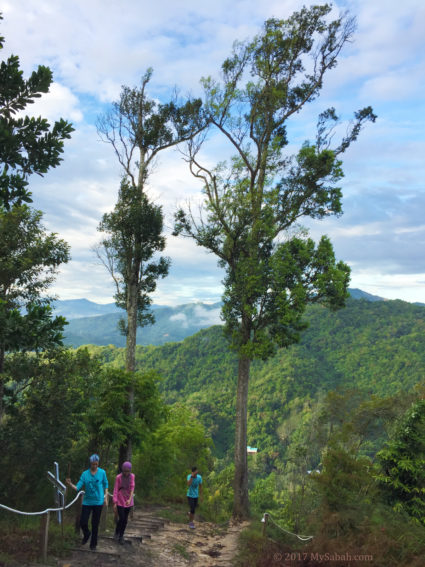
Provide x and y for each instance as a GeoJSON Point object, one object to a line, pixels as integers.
{"type": "Point", "coordinates": [122, 520]}
{"type": "Point", "coordinates": [193, 502]}
{"type": "Point", "coordinates": [96, 511]}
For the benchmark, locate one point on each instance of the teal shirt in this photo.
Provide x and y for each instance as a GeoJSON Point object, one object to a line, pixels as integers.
{"type": "Point", "coordinates": [193, 489]}
{"type": "Point", "coordinates": [94, 487]}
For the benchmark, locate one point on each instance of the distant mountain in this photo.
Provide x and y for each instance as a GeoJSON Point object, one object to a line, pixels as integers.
{"type": "Point", "coordinates": [78, 308]}
{"type": "Point", "coordinates": [97, 324]}
{"type": "Point", "coordinates": [359, 294]}
{"type": "Point", "coordinates": [172, 324]}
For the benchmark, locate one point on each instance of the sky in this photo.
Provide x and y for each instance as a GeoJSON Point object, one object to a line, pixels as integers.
{"type": "Point", "coordinates": [95, 46]}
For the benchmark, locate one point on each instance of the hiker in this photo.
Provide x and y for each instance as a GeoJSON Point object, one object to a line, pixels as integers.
{"type": "Point", "coordinates": [194, 483]}
{"type": "Point", "coordinates": [123, 499]}
{"type": "Point", "coordinates": [95, 486]}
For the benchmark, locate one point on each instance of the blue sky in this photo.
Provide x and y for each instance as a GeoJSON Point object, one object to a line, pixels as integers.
{"type": "Point", "coordinates": [95, 46]}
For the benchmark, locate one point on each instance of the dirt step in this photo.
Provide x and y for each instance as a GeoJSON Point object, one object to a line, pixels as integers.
{"type": "Point", "coordinates": [128, 536]}
{"type": "Point", "coordinates": [147, 521]}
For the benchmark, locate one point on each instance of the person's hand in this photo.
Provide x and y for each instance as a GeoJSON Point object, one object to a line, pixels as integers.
{"type": "Point", "coordinates": [106, 500]}
{"type": "Point", "coordinates": [68, 481]}
{"type": "Point", "coordinates": [115, 507]}
{"type": "Point", "coordinates": [128, 502]}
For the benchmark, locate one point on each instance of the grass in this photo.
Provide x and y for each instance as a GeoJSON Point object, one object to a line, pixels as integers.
{"type": "Point", "coordinates": [21, 541]}
{"type": "Point", "coordinates": [181, 550]}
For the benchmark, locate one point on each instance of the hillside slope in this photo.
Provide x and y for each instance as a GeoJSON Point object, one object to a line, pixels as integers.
{"type": "Point", "coordinates": [374, 347]}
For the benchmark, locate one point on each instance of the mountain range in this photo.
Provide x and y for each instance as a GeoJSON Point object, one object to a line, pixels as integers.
{"type": "Point", "coordinates": [97, 324]}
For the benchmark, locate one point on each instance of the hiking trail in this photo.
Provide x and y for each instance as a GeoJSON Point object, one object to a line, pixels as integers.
{"type": "Point", "coordinates": [152, 541]}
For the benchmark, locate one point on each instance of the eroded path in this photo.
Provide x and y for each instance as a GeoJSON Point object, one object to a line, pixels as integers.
{"type": "Point", "coordinates": [153, 542]}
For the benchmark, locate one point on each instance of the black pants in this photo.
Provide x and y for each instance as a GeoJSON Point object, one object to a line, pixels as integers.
{"type": "Point", "coordinates": [95, 511]}
{"type": "Point", "coordinates": [122, 520]}
{"type": "Point", "coordinates": [193, 502]}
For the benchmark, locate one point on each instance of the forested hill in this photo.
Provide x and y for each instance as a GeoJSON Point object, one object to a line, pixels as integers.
{"type": "Point", "coordinates": [375, 347]}
{"type": "Point", "coordinates": [97, 323]}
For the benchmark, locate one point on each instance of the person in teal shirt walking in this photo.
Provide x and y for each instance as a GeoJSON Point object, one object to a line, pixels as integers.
{"type": "Point", "coordinates": [95, 486]}
{"type": "Point", "coordinates": [194, 483]}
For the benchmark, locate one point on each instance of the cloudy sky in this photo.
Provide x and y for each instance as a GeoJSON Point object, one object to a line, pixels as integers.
{"type": "Point", "coordinates": [95, 46]}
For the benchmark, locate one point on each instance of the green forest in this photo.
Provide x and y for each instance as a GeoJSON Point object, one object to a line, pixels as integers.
{"type": "Point", "coordinates": [338, 402]}
{"type": "Point", "coordinates": [328, 389]}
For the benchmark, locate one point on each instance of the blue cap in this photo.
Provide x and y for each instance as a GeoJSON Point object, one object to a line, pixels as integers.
{"type": "Point", "coordinates": [94, 458]}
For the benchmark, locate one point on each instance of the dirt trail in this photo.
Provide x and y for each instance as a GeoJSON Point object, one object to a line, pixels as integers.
{"type": "Point", "coordinates": [163, 544]}
{"type": "Point", "coordinates": [205, 546]}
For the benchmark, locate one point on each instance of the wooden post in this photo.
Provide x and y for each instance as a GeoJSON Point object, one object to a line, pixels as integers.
{"type": "Point", "coordinates": [44, 535]}
{"type": "Point", "coordinates": [265, 522]}
{"type": "Point", "coordinates": [78, 507]}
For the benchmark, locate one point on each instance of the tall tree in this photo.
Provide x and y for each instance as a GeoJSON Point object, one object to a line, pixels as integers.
{"type": "Point", "coordinates": [29, 256]}
{"type": "Point", "coordinates": [253, 204]}
{"type": "Point", "coordinates": [138, 128]}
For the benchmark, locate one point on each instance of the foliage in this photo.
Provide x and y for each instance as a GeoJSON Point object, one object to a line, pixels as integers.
{"type": "Point", "coordinates": [168, 455]}
{"type": "Point", "coordinates": [43, 421]}
{"type": "Point", "coordinates": [134, 232]}
{"type": "Point", "coordinates": [27, 145]}
{"type": "Point", "coordinates": [29, 258]}
{"type": "Point", "coordinates": [218, 504]}
{"type": "Point", "coordinates": [34, 330]}
{"type": "Point", "coordinates": [139, 128]}
{"type": "Point", "coordinates": [108, 420]}
{"type": "Point", "coordinates": [402, 464]}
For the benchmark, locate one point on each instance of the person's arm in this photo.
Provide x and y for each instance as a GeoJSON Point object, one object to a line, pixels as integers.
{"type": "Point", "coordinates": [105, 485]}
{"type": "Point", "coordinates": [116, 488]}
{"type": "Point", "coordinates": [132, 487]}
{"type": "Point", "coordinates": [200, 486]}
{"type": "Point", "coordinates": [190, 479]}
{"type": "Point", "coordinates": [79, 485]}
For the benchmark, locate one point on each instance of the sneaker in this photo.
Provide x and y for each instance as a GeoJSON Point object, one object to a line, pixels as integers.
{"type": "Point", "coordinates": [121, 541]}
{"type": "Point", "coordinates": [85, 538]}
{"type": "Point", "coordinates": [191, 525]}
{"type": "Point", "coordinates": [92, 548]}
{"type": "Point", "coordinates": [116, 536]}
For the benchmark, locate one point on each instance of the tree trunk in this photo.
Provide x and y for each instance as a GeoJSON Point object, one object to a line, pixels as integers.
{"type": "Point", "coordinates": [240, 500]}
{"type": "Point", "coordinates": [130, 350]}
{"type": "Point", "coordinates": [2, 352]}
{"type": "Point", "coordinates": [126, 449]}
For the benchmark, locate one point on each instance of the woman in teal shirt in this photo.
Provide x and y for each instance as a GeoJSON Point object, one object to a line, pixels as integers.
{"type": "Point", "coordinates": [95, 486]}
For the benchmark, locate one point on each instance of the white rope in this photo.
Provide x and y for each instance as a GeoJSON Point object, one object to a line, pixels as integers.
{"type": "Point", "coordinates": [44, 511]}
{"type": "Point", "coordinates": [301, 538]}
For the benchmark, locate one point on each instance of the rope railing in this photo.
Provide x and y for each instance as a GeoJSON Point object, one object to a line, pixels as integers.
{"type": "Point", "coordinates": [44, 511]}
{"type": "Point", "coordinates": [300, 537]}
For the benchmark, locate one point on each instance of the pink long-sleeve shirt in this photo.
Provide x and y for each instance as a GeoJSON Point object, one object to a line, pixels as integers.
{"type": "Point", "coordinates": [121, 494]}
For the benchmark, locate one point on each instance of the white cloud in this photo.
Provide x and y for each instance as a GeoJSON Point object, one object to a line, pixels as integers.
{"type": "Point", "coordinates": [180, 317]}
{"type": "Point", "coordinates": [208, 317]}
{"type": "Point", "coordinates": [95, 47]}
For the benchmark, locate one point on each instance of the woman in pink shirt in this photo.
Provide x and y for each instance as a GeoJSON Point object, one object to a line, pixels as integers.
{"type": "Point", "coordinates": [123, 499]}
